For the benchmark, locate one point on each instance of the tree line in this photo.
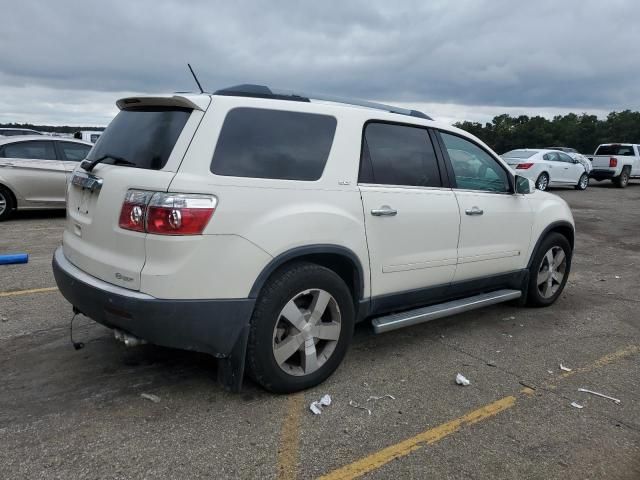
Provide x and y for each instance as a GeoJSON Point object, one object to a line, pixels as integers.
{"type": "Point", "coordinates": [49, 128]}
{"type": "Point", "coordinates": [582, 132]}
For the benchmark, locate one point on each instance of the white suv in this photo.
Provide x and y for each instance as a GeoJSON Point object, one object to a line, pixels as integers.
{"type": "Point", "coordinates": [260, 226]}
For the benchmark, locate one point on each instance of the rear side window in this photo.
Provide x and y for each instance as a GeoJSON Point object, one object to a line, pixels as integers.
{"type": "Point", "coordinates": [398, 155]}
{"type": "Point", "coordinates": [143, 137]}
{"type": "Point", "coordinates": [74, 152]}
{"type": "Point", "coordinates": [32, 150]}
{"type": "Point", "coordinates": [276, 144]}
{"type": "Point", "coordinates": [624, 150]}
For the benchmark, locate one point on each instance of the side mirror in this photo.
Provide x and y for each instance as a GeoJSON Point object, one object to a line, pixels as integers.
{"type": "Point", "coordinates": [523, 185]}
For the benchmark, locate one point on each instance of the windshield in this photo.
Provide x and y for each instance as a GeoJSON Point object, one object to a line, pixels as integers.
{"type": "Point", "coordinates": [624, 150]}
{"type": "Point", "coordinates": [519, 154]}
{"type": "Point", "coordinates": [144, 136]}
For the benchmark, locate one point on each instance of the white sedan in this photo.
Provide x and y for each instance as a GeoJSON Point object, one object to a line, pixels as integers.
{"type": "Point", "coordinates": [548, 168]}
{"type": "Point", "coordinates": [34, 170]}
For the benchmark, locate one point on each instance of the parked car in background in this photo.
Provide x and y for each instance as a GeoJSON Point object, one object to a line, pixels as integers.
{"type": "Point", "coordinates": [617, 162]}
{"type": "Point", "coordinates": [548, 168]}
{"type": "Point", "coordinates": [260, 226]}
{"type": "Point", "coordinates": [87, 135]}
{"type": "Point", "coordinates": [14, 132]}
{"type": "Point", "coordinates": [573, 153]}
{"type": "Point", "coordinates": [34, 171]}
{"type": "Point", "coordinates": [562, 149]}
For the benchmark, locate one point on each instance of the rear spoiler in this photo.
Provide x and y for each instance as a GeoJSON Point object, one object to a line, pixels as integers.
{"type": "Point", "coordinates": [199, 102]}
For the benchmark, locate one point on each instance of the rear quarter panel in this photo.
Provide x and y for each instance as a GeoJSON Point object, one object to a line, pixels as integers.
{"type": "Point", "coordinates": [275, 216]}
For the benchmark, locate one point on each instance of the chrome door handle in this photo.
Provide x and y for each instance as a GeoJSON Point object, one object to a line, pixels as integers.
{"type": "Point", "coordinates": [384, 211]}
{"type": "Point", "coordinates": [474, 211]}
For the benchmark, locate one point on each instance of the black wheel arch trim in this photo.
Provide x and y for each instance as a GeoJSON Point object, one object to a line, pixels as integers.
{"type": "Point", "coordinates": [303, 251]}
{"type": "Point", "coordinates": [545, 232]}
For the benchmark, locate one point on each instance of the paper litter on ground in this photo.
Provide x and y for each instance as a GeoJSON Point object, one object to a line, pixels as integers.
{"type": "Point", "coordinates": [316, 406]}
{"type": "Point", "coordinates": [462, 380]}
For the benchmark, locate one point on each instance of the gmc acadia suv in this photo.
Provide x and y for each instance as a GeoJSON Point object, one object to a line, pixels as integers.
{"type": "Point", "coordinates": [259, 226]}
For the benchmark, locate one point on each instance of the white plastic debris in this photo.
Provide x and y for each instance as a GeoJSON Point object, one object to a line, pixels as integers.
{"type": "Point", "coordinates": [383, 396]}
{"type": "Point", "coordinates": [316, 406]}
{"type": "Point", "coordinates": [618, 277]}
{"type": "Point", "coordinates": [357, 405]}
{"type": "Point", "coordinates": [550, 372]}
{"type": "Point", "coordinates": [462, 380]}
{"type": "Point", "coordinates": [564, 369]}
{"type": "Point", "coordinates": [615, 400]}
{"type": "Point", "coordinates": [576, 405]}
{"type": "Point", "coordinates": [150, 396]}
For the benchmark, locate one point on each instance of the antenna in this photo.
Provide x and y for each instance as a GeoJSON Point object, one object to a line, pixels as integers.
{"type": "Point", "coordinates": [195, 78]}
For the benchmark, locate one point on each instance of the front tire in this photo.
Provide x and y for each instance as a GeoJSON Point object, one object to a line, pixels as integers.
{"type": "Point", "coordinates": [542, 183]}
{"type": "Point", "coordinates": [549, 270]}
{"type": "Point", "coordinates": [300, 329]}
{"type": "Point", "coordinates": [6, 203]}
{"type": "Point", "coordinates": [622, 180]}
{"type": "Point", "coordinates": [583, 183]}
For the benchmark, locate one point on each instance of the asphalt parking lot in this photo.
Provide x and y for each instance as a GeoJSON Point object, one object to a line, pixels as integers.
{"type": "Point", "coordinates": [80, 414]}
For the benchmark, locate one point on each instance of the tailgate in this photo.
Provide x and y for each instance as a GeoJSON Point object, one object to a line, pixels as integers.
{"type": "Point", "coordinates": [601, 162]}
{"type": "Point", "coordinates": [142, 149]}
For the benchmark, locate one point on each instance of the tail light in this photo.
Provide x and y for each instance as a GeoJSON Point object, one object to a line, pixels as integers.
{"type": "Point", "coordinates": [524, 166]}
{"type": "Point", "coordinates": [166, 213]}
{"type": "Point", "coordinates": [613, 162]}
{"type": "Point", "coordinates": [179, 214]}
{"type": "Point", "coordinates": [134, 209]}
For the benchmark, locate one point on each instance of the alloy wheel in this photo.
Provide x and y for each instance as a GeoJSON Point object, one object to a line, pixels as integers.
{"type": "Point", "coordinates": [306, 332]}
{"type": "Point", "coordinates": [543, 182]}
{"type": "Point", "coordinates": [552, 271]}
{"type": "Point", "coordinates": [3, 203]}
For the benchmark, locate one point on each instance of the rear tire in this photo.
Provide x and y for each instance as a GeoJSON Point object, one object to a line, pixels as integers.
{"type": "Point", "coordinates": [6, 203]}
{"type": "Point", "coordinates": [583, 183]}
{"type": "Point", "coordinates": [542, 183]}
{"type": "Point", "coordinates": [294, 343]}
{"type": "Point", "coordinates": [549, 270]}
{"type": "Point", "coordinates": [622, 180]}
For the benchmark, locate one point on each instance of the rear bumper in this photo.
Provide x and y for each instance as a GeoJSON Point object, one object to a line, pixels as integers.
{"type": "Point", "coordinates": [599, 174]}
{"type": "Point", "coordinates": [209, 326]}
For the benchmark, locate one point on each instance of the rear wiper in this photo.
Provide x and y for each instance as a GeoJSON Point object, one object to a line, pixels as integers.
{"type": "Point", "coordinates": [116, 161]}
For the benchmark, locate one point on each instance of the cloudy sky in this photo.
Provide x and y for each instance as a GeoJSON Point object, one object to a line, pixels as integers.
{"type": "Point", "coordinates": [66, 62]}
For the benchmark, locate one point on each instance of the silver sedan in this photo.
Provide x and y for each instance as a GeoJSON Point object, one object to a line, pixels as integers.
{"type": "Point", "coordinates": [34, 171]}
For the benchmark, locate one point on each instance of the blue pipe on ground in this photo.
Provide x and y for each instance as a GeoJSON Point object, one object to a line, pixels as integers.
{"type": "Point", "coordinates": [14, 258]}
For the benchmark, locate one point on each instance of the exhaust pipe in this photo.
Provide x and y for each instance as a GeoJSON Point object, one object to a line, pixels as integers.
{"type": "Point", "coordinates": [127, 339]}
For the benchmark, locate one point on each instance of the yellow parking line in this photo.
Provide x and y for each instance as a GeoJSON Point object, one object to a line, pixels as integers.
{"type": "Point", "coordinates": [605, 360]}
{"type": "Point", "coordinates": [27, 292]}
{"type": "Point", "coordinates": [386, 455]}
{"type": "Point", "coordinates": [290, 438]}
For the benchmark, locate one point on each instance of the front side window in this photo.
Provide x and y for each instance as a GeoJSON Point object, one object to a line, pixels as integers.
{"type": "Point", "coordinates": [473, 167]}
{"type": "Point", "coordinates": [276, 144]}
{"type": "Point", "coordinates": [34, 149]}
{"type": "Point", "coordinates": [398, 155]}
{"type": "Point", "coordinates": [565, 158]}
{"type": "Point", "coordinates": [74, 152]}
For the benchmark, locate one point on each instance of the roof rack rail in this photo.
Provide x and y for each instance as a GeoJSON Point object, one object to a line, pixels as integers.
{"type": "Point", "coordinates": [262, 91]}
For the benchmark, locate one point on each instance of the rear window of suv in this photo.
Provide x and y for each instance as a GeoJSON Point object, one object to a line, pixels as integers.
{"type": "Point", "coordinates": [143, 136]}
{"type": "Point", "coordinates": [276, 144]}
{"type": "Point", "coordinates": [623, 150]}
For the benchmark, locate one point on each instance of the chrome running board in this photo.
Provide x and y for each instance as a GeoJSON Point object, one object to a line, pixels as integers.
{"type": "Point", "coordinates": [425, 314]}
